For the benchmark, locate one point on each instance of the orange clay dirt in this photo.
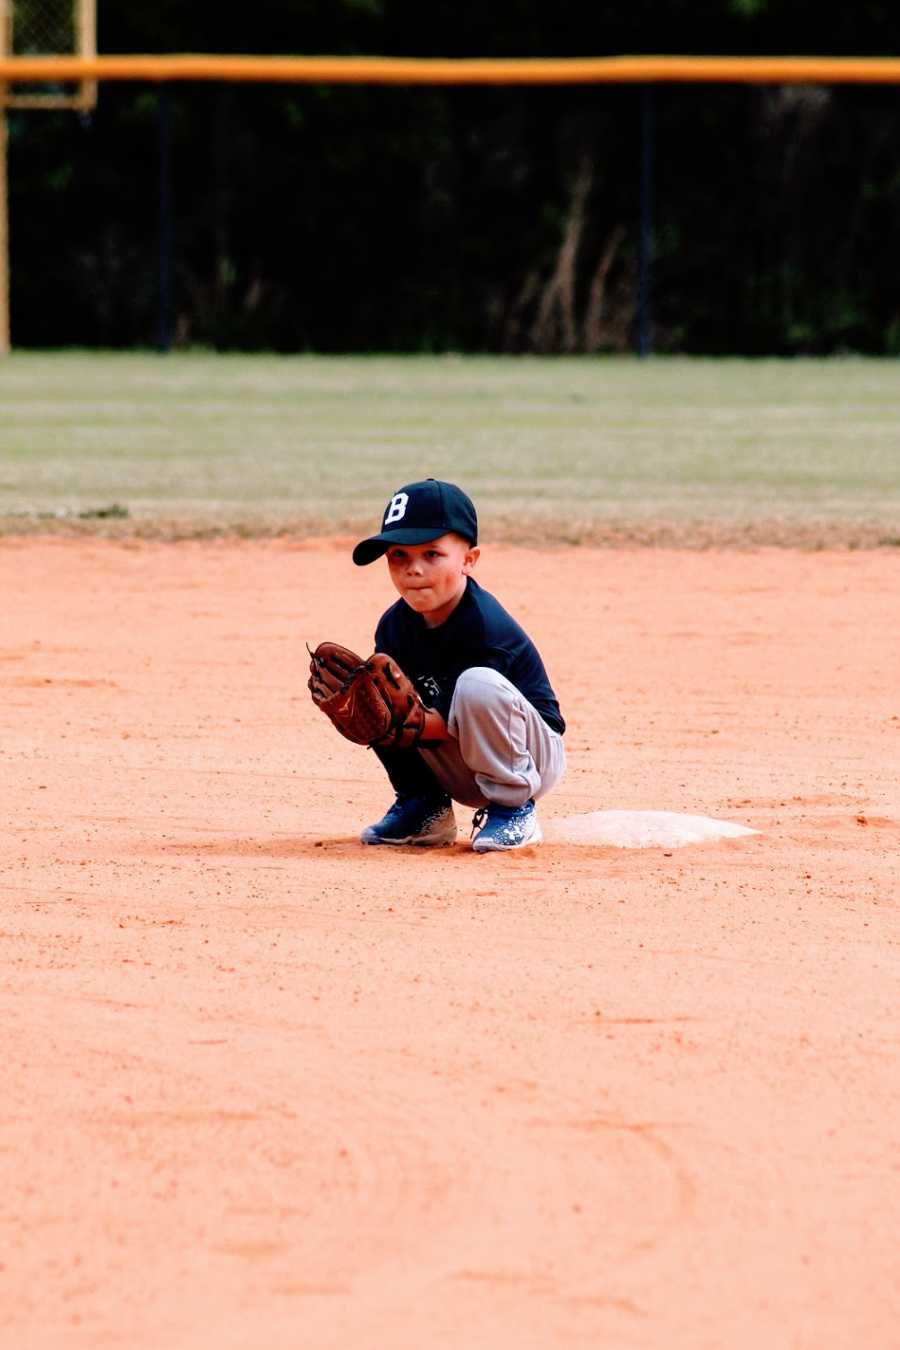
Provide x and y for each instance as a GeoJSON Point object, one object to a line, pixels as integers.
{"type": "Point", "coordinates": [264, 1087]}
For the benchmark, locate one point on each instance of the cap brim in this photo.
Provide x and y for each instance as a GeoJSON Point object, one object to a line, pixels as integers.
{"type": "Point", "coordinates": [367, 550]}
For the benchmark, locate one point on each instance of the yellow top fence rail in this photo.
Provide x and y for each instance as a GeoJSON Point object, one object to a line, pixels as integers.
{"type": "Point", "coordinates": [436, 71]}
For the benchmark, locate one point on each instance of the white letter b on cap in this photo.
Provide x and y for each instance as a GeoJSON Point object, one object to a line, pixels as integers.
{"type": "Point", "coordinates": [396, 508]}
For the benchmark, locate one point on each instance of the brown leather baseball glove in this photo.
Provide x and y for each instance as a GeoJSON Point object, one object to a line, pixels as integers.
{"type": "Point", "coordinates": [371, 702]}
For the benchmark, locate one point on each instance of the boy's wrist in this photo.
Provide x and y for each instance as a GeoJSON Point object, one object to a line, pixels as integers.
{"type": "Point", "coordinates": [435, 730]}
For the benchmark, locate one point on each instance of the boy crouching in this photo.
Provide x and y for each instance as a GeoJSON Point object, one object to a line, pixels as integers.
{"type": "Point", "coordinates": [487, 731]}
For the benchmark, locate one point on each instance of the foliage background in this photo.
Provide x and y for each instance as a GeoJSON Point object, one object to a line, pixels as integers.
{"type": "Point", "coordinates": [329, 218]}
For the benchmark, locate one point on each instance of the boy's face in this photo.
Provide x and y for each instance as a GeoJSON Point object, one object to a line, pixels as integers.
{"type": "Point", "coordinates": [431, 577]}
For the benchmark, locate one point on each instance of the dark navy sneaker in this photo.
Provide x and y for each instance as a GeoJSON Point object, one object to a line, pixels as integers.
{"type": "Point", "coordinates": [414, 820]}
{"type": "Point", "coordinates": [505, 827]}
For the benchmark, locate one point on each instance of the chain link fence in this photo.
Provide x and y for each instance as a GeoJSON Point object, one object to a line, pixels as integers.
{"type": "Point", "coordinates": [44, 28]}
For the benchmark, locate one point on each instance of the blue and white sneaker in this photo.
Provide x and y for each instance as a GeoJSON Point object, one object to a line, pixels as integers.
{"type": "Point", "coordinates": [414, 820]}
{"type": "Point", "coordinates": [505, 827]}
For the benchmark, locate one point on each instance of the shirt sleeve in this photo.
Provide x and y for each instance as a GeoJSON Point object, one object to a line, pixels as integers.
{"type": "Point", "coordinates": [498, 658]}
{"type": "Point", "coordinates": [383, 642]}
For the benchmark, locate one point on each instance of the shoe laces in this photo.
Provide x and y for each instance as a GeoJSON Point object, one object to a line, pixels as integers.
{"type": "Point", "coordinates": [497, 809]}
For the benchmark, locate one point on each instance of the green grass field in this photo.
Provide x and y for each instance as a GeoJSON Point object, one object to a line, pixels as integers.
{"type": "Point", "coordinates": [566, 450]}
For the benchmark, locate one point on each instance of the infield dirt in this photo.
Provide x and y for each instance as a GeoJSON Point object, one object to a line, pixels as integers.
{"type": "Point", "coordinates": [265, 1087]}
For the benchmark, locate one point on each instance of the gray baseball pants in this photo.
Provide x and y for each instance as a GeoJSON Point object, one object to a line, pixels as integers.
{"type": "Point", "coordinates": [502, 749]}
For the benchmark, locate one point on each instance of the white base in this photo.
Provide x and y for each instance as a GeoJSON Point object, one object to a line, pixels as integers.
{"type": "Point", "coordinates": [640, 829]}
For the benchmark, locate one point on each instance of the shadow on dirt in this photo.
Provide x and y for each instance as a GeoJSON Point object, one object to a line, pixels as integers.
{"type": "Point", "coordinates": [279, 846]}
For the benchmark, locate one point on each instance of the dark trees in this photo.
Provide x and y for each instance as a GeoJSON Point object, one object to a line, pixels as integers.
{"type": "Point", "coordinates": [361, 218]}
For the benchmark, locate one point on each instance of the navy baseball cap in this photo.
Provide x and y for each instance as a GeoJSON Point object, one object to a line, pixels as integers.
{"type": "Point", "coordinates": [418, 513]}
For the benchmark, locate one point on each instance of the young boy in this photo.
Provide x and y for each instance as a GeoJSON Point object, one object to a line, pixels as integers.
{"type": "Point", "coordinates": [469, 660]}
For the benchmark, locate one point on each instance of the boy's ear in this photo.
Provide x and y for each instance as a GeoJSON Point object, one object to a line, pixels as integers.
{"type": "Point", "coordinates": [471, 558]}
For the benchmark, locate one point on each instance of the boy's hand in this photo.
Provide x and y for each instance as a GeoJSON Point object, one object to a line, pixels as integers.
{"type": "Point", "coordinates": [330, 669]}
{"type": "Point", "coordinates": [371, 702]}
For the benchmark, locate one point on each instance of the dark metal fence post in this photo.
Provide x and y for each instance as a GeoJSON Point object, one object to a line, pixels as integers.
{"type": "Point", "coordinates": [166, 221]}
{"type": "Point", "coordinates": [645, 256]}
